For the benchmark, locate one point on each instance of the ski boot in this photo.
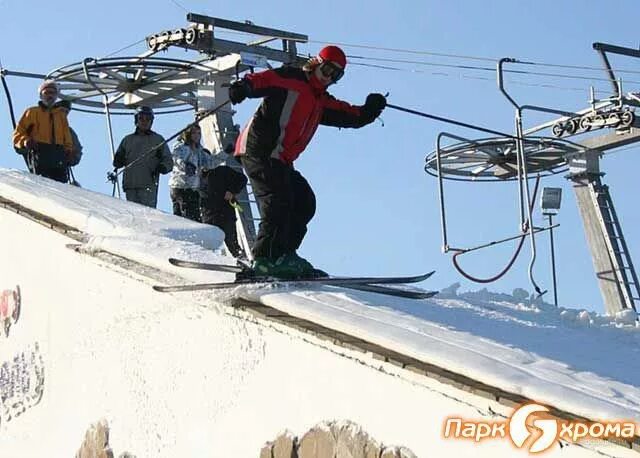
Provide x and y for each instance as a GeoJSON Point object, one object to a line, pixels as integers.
{"type": "Point", "coordinates": [289, 266]}
{"type": "Point", "coordinates": [263, 267]}
{"type": "Point", "coordinates": [305, 268]}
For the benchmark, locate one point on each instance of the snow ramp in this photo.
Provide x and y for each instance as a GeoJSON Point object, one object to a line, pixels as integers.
{"type": "Point", "coordinates": [220, 373]}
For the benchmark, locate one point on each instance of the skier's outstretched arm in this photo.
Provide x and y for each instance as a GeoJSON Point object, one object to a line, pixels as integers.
{"type": "Point", "coordinates": [338, 113]}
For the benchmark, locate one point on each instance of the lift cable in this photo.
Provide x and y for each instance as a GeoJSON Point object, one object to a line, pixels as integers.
{"type": "Point", "coordinates": [476, 58]}
{"type": "Point", "coordinates": [124, 48]}
{"type": "Point", "coordinates": [481, 78]}
{"type": "Point", "coordinates": [448, 55]}
{"type": "Point", "coordinates": [179, 6]}
{"type": "Point", "coordinates": [486, 69]}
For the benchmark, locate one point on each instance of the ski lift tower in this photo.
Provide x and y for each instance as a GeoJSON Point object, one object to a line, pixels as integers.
{"type": "Point", "coordinates": [609, 251]}
{"type": "Point", "coordinates": [229, 59]}
{"type": "Point", "coordinates": [524, 156]}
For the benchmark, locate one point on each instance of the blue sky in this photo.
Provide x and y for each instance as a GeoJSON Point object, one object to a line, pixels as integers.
{"type": "Point", "coordinates": [377, 209]}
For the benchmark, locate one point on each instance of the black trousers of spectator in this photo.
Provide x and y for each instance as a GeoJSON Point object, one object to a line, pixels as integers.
{"type": "Point", "coordinates": [216, 210]}
{"type": "Point", "coordinates": [48, 161]}
{"type": "Point", "coordinates": [186, 203]}
{"type": "Point", "coordinates": [58, 174]}
{"type": "Point", "coordinates": [224, 217]}
{"type": "Point", "coordinates": [286, 202]}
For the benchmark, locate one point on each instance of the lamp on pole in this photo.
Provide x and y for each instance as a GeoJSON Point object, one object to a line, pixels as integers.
{"type": "Point", "coordinates": [550, 204]}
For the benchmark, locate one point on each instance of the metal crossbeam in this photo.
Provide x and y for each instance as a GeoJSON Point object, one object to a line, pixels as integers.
{"type": "Point", "coordinates": [201, 37]}
{"type": "Point", "coordinates": [613, 139]}
{"type": "Point", "coordinates": [246, 27]}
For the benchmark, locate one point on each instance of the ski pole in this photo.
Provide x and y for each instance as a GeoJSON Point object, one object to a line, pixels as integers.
{"type": "Point", "coordinates": [450, 121]}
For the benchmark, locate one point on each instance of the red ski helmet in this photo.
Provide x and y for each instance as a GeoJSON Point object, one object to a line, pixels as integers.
{"type": "Point", "coordinates": [333, 54]}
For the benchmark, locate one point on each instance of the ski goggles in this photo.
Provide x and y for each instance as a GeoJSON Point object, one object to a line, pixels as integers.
{"type": "Point", "coordinates": [331, 70]}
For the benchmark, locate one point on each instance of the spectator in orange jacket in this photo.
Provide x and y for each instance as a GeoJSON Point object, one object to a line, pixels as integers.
{"type": "Point", "coordinates": [44, 137]}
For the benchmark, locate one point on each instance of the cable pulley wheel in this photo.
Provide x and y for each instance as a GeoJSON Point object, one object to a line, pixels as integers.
{"type": "Point", "coordinates": [190, 36]}
{"type": "Point", "coordinates": [130, 81]}
{"type": "Point", "coordinates": [496, 159]}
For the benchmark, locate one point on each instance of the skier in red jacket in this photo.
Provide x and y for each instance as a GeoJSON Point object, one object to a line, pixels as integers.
{"type": "Point", "coordinates": [295, 101]}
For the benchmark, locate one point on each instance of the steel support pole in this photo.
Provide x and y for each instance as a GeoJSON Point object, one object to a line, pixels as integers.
{"type": "Point", "coordinates": [553, 260]}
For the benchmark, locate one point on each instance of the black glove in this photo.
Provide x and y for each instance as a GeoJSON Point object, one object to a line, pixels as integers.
{"type": "Point", "coordinates": [238, 91]}
{"type": "Point", "coordinates": [375, 103]}
{"type": "Point", "coordinates": [162, 169]}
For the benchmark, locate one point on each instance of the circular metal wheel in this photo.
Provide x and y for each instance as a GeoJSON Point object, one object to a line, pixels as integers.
{"type": "Point", "coordinates": [152, 42]}
{"type": "Point", "coordinates": [599, 121]}
{"type": "Point", "coordinates": [572, 126]}
{"type": "Point", "coordinates": [495, 159]}
{"type": "Point", "coordinates": [168, 85]}
{"type": "Point", "coordinates": [190, 36]}
{"type": "Point", "coordinates": [585, 123]}
{"type": "Point", "coordinates": [558, 129]}
{"type": "Point", "coordinates": [626, 118]}
{"type": "Point", "coordinates": [613, 120]}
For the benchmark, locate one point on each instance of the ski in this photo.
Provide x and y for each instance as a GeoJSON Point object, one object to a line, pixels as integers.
{"type": "Point", "coordinates": [388, 291]}
{"type": "Point", "coordinates": [206, 266]}
{"type": "Point", "coordinates": [332, 280]}
{"type": "Point", "coordinates": [369, 284]}
{"type": "Point", "coordinates": [337, 281]}
{"type": "Point", "coordinates": [385, 290]}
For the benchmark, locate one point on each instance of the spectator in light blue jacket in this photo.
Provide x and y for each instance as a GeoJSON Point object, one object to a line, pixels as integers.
{"type": "Point", "coordinates": [190, 159]}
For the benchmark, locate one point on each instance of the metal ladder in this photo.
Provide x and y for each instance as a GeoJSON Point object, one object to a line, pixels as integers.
{"type": "Point", "coordinates": [624, 271]}
{"type": "Point", "coordinates": [247, 223]}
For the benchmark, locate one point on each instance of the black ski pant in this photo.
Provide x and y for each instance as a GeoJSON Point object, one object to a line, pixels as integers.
{"type": "Point", "coordinates": [186, 203]}
{"type": "Point", "coordinates": [223, 216]}
{"type": "Point", "coordinates": [57, 174]}
{"type": "Point", "coordinates": [144, 196]}
{"type": "Point", "coordinates": [48, 161]}
{"type": "Point", "coordinates": [286, 202]}
{"type": "Point", "coordinates": [218, 211]}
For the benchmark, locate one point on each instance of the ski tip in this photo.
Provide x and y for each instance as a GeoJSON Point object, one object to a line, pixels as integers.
{"type": "Point", "coordinates": [174, 261]}
{"type": "Point", "coordinates": [425, 276]}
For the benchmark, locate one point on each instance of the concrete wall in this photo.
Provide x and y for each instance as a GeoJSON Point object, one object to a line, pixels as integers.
{"type": "Point", "coordinates": [182, 375]}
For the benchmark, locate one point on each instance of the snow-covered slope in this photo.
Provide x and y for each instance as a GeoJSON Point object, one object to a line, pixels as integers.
{"type": "Point", "coordinates": [574, 360]}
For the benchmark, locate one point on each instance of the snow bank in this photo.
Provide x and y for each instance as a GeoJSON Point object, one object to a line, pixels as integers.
{"type": "Point", "coordinates": [175, 374]}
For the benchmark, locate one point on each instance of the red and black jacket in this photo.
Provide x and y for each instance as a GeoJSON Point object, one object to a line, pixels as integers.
{"type": "Point", "coordinates": [290, 114]}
